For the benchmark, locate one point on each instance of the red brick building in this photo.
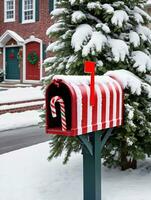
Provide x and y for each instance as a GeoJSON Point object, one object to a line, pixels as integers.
{"type": "Point", "coordinates": [23, 25]}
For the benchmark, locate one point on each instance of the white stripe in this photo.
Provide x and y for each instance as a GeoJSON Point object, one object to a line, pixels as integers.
{"type": "Point", "coordinates": [89, 110]}
{"type": "Point", "coordinates": [79, 107]}
{"type": "Point", "coordinates": [99, 106]}
{"type": "Point", "coordinates": [121, 101]}
{"type": "Point", "coordinates": [53, 109]}
{"type": "Point", "coordinates": [107, 104]}
{"type": "Point", "coordinates": [114, 103]}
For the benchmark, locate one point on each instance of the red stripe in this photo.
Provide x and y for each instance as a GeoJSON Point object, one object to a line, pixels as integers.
{"type": "Point", "coordinates": [122, 115]}
{"type": "Point", "coordinates": [63, 123]}
{"type": "Point", "coordinates": [53, 111]}
{"type": "Point", "coordinates": [53, 106]}
{"type": "Point", "coordinates": [84, 108]}
{"type": "Point", "coordinates": [74, 110]}
{"type": "Point", "coordinates": [103, 106]}
{"type": "Point", "coordinates": [111, 106]}
{"type": "Point", "coordinates": [94, 112]}
{"type": "Point", "coordinates": [118, 80]}
{"type": "Point", "coordinates": [62, 108]}
{"type": "Point", "coordinates": [122, 88]}
{"type": "Point", "coordinates": [52, 100]}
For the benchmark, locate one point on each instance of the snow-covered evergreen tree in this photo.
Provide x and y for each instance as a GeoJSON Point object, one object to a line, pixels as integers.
{"type": "Point", "coordinates": [115, 35]}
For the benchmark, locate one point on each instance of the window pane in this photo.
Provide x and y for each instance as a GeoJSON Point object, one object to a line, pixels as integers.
{"type": "Point", "coordinates": [10, 5]}
{"type": "Point", "coordinates": [28, 15]}
{"type": "Point", "coordinates": [28, 10]}
{"type": "Point", "coordinates": [28, 5]}
{"type": "Point", "coordinates": [9, 9]}
{"type": "Point", "coordinates": [10, 14]}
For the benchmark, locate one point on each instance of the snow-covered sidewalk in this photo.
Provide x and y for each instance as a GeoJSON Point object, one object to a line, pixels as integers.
{"type": "Point", "coordinates": [21, 94]}
{"type": "Point", "coordinates": [18, 120]}
{"type": "Point", "coordinates": [23, 103]}
{"type": "Point", "coordinates": [26, 174]}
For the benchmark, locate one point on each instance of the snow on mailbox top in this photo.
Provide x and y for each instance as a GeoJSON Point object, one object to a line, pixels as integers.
{"type": "Point", "coordinates": [68, 109]}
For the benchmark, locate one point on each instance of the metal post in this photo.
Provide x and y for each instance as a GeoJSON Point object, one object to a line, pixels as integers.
{"type": "Point", "coordinates": [92, 170]}
{"type": "Point", "coordinates": [92, 145]}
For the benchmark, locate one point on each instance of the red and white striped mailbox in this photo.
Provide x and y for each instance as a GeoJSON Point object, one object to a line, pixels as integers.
{"type": "Point", "coordinates": [68, 109]}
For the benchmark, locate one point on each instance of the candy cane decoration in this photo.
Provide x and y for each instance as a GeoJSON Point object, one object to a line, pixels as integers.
{"type": "Point", "coordinates": [62, 107]}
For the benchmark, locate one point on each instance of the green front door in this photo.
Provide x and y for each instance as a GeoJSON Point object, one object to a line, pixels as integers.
{"type": "Point", "coordinates": [12, 64]}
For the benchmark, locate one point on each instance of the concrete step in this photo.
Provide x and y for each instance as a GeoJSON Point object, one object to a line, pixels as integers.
{"type": "Point", "coordinates": [21, 106]}
{"type": "Point", "coordinates": [18, 84]}
{"type": "Point", "coordinates": [20, 102]}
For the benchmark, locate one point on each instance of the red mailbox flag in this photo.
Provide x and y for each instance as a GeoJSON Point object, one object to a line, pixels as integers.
{"type": "Point", "coordinates": [90, 68]}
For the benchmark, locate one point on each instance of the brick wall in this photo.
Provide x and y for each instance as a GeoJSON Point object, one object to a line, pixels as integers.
{"type": "Point", "coordinates": [38, 29]}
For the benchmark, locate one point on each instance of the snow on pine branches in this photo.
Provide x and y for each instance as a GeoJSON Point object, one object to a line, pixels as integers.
{"type": "Point", "coordinates": [131, 81]}
{"type": "Point", "coordinates": [96, 37]}
{"type": "Point", "coordinates": [119, 18]}
{"type": "Point", "coordinates": [78, 16]}
{"type": "Point", "coordinates": [142, 62]}
{"type": "Point", "coordinates": [97, 42]}
{"type": "Point", "coordinates": [82, 34]}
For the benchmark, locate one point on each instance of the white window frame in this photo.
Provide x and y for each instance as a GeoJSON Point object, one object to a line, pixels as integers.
{"type": "Point", "coordinates": [23, 13]}
{"type": "Point", "coordinates": [5, 11]}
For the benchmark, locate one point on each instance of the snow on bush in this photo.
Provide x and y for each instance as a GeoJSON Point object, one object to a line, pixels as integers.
{"type": "Point", "coordinates": [144, 32]}
{"type": "Point", "coordinates": [148, 78]}
{"type": "Point", "coordinates": [97, 42]}
{"type": "Point", "coordinates": [119, 17]}
{"type": "Point", "coordinates": [118, 4]}
{"type": "Point", "coordinates": [103, 27]}
{"type": "Point", "coordinates": [72, 2]}
{"type": "Point", "coordinates": [72, 59]}
{"type": "Point", "coordinates": [141, 61]}
{"type": "Point", "coordinates": [55, 28]}
{"type": "Point", "coordinates": [59, 11]}
{"type": "Point", "coordinates": [131, 81]}
{"type": "Point", "coordinates": [50, 60]}
{"type": "Point", "coordinates": [138, 18]}
{"type": "Point", "coordinates": [108, 8]}
{"type": "Point", "coordinates": [119, 49]}
{"type": "Point", "coordinates": [94, 5]}
{"type": "Point", "coordinates": [78, 16]}
{"type": "Point", "coordinates": [66, 34]}
{"type": "Point", "coordinates": [141, 12]}
{"type": "Point", "coordinates": [134, 38]}
{"type": "Point", "coordinates": [147, 89]}
{"type": "Point", "coordinates": [81, 35]}
{"type": "Point", "coordinates": [55, 46]}
{"type": "Point", "coordinates": [128, 80]}
{"type": "Point", "coordinates": [130, 114]}
{"type": "Point", "coordinates": [129, 142]}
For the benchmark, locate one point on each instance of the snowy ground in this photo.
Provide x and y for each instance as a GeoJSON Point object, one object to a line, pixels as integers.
{"type": "Point", "coordinates": [23, 119]}
{"type": "Point", "coordinates": [26, 174]}
{"type": "Point", "coordinates": [21, 94]}
{"type": "Point", "coordinates": [18, 120]}
{"type": "Point", "coordinates": [21, 105]}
